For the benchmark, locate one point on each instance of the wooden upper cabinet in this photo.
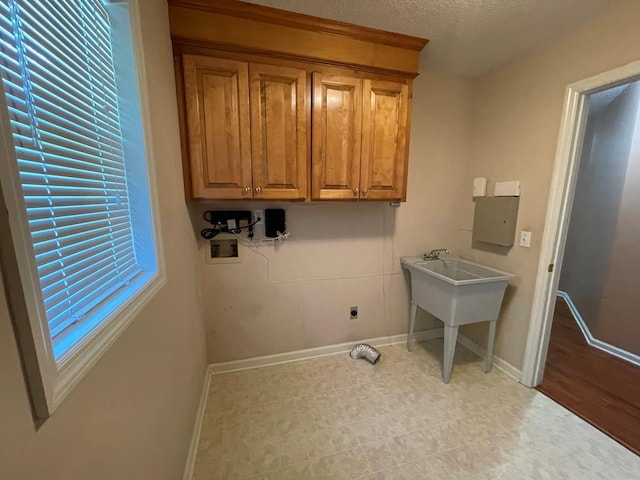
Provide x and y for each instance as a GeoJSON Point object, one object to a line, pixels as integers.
{"type": "Point", "coordinates": [217, 111]}
{"type": "Point", "coordinates": [248, 130]}
{"type": "Point", "coordinates": [385, 123]}
{"type": "Point", "coordinates": [337, 121]}
{"type": "Point", "coordinates": [275, 105]}
{"type": "Point", "coordinates": [360, 130]}
{"type": "Point", "coordinates": [279, 132]}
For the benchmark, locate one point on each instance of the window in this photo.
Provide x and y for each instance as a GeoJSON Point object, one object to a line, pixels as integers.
{"type": "Point", "coordinates": [70, 86]}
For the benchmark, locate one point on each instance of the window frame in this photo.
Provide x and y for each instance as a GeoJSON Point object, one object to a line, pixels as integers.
{"type": "Point", "coordinates": [49, 382]}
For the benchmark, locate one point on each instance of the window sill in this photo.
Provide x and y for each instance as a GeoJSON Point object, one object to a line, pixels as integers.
{"type": "Point", "coordinates": [72, 368]}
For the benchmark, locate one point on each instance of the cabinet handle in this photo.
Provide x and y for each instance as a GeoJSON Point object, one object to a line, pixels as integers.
{"type": "Point", "coordinates": [258, 189]}
{"type": "Point", "coordinates": [355, 192]}
{"type": "Point", "coordinates": [364, 192]}
{"type": "Point", "coordinates": [247, 189]}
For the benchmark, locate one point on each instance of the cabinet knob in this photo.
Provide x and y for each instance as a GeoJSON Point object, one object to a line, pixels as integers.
{"type": "Point", "coordinates": [364, 192]}
{"type": "Point", "coordinates": [247, 189]}
{"type": "Point", "coordinates": [258, 189]}
{"type": "Point", "coordinates": [355, 192]}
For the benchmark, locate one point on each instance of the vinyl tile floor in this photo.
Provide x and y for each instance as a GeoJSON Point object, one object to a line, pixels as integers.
{"type": "Point", "coordinates": [334, 418]}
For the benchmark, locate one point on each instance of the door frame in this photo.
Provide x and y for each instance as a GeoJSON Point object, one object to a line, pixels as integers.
{"type": "Point", "coordinates": [561, 195]}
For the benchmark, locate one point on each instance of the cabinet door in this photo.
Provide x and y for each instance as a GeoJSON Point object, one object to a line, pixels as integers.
{"type": "Point", "coordinates": [217, 100]}
{"type": "Point", "coordinates": [384, 140]}
{"type": "Point", "coordinates": [279, 132]}
{"type": "Point", "coordinates": [337, 123]}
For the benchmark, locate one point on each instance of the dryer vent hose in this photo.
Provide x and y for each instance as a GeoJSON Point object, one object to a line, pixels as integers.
{"type": "Point", "coordinates": [367, 352]}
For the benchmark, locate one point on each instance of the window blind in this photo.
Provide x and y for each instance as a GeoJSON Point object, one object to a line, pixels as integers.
{"type": "Point", "coordinates": [58, 75]}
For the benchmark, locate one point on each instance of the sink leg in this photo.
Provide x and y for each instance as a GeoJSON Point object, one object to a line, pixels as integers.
{"type": "Point", "coordinates": [490, 343]}
{"type": "Point", "coordinates": [450, 337]}
{"type": "Point", "coordinates": [412, 324]}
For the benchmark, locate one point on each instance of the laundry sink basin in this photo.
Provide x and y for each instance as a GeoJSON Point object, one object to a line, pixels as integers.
{"type": "Point", "coordinates": [457, 271]}
{"type": "Point", "coordinates": [458, 292]}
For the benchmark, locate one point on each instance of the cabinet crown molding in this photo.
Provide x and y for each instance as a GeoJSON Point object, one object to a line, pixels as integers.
{"type": "Point", "coordinates": [254, 27]}
{"type": "Point", "coordinates": [298, 20]}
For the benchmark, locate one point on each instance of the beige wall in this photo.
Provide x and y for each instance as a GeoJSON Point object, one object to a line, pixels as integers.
{"type": "Point", "coordinates": [298, 295]}
{"type": "Point", "coordinates": [516, 117]}
{"type": "Point", "coordinates": [132, 416]}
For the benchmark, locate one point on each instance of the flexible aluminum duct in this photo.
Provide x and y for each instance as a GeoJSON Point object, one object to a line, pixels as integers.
{"type": "Point", "coordinates": [367, 352]}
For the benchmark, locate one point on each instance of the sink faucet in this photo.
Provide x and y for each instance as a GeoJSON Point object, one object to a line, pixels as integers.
{"type": "Point", "coordinates": [435, 254]}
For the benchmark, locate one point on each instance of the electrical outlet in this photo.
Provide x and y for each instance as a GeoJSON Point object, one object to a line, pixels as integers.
{"type": "Point", "coordinates": [258, 214]}
{"type": "Point", "coordinates": [525, 239]}
{"type": "Point", "coordinates": [353, 313]}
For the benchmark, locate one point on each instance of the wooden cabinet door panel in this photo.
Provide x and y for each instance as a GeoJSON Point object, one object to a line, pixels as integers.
{"type": "Point", "coordinates": [384, 140]}
{"type": "Point", "coordinates": [337, 122]}
{"type": "Point", "coordinates": [279, 132]}
{"type": "Point", "coordinates": [217, 100]}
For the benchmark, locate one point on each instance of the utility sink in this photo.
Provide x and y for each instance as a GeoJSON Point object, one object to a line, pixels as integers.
{"type": "Point", "coordinates": [458, 292]}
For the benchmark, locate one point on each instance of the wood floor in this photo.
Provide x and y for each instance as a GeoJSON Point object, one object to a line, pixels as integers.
{"type": "Point", "coordinates": [600, 388]}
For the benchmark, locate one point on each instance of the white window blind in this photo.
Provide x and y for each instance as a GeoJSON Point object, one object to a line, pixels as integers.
{"type": "Point", "coordinates": [58, 74]}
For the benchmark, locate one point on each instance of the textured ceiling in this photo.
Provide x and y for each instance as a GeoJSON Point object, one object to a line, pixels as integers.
{"type": "Point", "coordinates": [467, 37]}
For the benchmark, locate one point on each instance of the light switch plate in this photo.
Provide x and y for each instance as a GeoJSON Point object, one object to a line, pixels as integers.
{"type": "Point", "coordinates": [525, 239]}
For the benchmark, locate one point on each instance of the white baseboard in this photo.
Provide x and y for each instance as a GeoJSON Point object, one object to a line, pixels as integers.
{"type": "Point", "coordinates": [308, 353]}
{"type": "Point", "coordinates": [594, 342]}
{"type": "Point", "coordinates": [197, 428]}
{"type": "Point", "coordinates": [505, 367]}
{"type": "Point", "coordinates": [342, 348]}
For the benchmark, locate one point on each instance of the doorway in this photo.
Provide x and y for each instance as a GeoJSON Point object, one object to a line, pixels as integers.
{"type": "Point", "coordinates": [593, 360]}
{"type": "Point", "coordinates": [561, 198]}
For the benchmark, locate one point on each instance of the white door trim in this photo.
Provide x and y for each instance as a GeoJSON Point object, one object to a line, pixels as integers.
{"type": "Point", "coordinates": [558, 215]}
